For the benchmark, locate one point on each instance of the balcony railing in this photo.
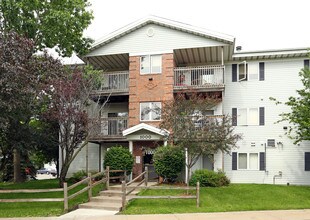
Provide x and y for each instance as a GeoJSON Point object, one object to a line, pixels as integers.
{"type": "Point", "coordinates": [115, 82]}
{"type": "Point", "coordinates": [210, 77]}
{"type": "Point", "coordinates": [106, 128]}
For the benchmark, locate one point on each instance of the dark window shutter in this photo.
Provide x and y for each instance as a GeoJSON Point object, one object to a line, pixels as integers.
{"type": "Point", "coordinates": [262, 161]}
{"type": "Point", "coordinates": [261, 116]}
{"type": "Point", "coordinates": [234, 117]}
{"type": "Point", "coordinates": [307, 161]}
{"type": "Point", "coordinates": [234, 161]}
{"type": "Point", "coordinates": [306, 64]}
{"type": "Point", "coordinates": [234, 72]}
{"type": "Point", "coordinates": [261, 71]}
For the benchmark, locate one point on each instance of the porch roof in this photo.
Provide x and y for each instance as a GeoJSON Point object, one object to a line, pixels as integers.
{"type": "Point", "coordinates": [143, 126]}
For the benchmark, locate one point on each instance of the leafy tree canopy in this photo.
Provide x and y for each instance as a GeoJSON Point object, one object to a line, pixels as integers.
{"type": "Point", "coordinates": [299, 117]}
{"type": "Point", "coordinates": [49, 23]}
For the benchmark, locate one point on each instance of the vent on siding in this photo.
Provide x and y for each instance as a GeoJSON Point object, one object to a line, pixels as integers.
{"type": "Point", "coordinates": [271, 142]}
{"type": "Point", "coordinates": [253, 144]}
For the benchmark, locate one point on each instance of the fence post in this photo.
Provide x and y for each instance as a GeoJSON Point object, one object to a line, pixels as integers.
{"type": "Point", "coordinates": [90, 191]}
{"type": "Point", "coordinates": [123, 194]}
{"type": "Point", "coordinates": [65, 197]}
{"type": "Point", "coordinates": [125, 176]}
{"type": "Point", "coordinates": [198, 194]}
{"type": "Point", "coordinates": [107, 170]}
{"type": "Point", "coordinates": [146, 176]}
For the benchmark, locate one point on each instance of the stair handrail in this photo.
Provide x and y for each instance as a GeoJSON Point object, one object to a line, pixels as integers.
{"type": "Point", "coordinates": [88, 188]}
{"type": "Point", "coordinates": [124, 186]}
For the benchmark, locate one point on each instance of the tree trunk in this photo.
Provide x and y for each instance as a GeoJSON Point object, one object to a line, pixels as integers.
{"type": "Point", "coordinates": [17, 170]}
{"type": "Point", "coordinates": [62, 175]}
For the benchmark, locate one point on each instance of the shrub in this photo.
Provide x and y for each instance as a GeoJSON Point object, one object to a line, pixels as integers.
{"type": "Point", "coordinates": [78, 176]}
{"type": "Point", "coordinates": [209, 178]}
{"type": "Point", "coordinates": [118, 158]}
{"type": "Point", "coordinates": [169, 162]}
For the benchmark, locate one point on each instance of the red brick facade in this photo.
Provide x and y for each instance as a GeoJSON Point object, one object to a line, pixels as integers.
{"type": "Point", "coordinates": [147, 88]}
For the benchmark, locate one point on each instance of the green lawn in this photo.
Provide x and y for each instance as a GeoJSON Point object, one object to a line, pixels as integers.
{"type": "Point", "coordinates": [236, 197]}
{"type": "Point", "coordinates": [28, 209]}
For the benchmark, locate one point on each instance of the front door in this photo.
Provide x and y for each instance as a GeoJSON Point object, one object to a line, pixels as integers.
{"type": "Point", "coordinates": [148, 162]}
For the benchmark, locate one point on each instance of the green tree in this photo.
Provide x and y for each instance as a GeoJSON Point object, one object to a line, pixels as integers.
{"type": "Point", "coordinates": [49, 23]}
{"type": "Point", "coordinates": [22, 77]}
{"type": "Point", "coordinates": [194, 130]}
{"type": "Point", "coordinates": [169, 162]}
{"type": "Point", "coordinates": [299, 117]}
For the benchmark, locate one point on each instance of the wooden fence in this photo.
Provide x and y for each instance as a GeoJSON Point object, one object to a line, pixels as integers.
{"type": "Point", "coordinates": [126, 191]}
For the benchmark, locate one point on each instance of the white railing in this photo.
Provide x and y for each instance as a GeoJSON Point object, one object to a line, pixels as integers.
{"type": "Point", "coordinates": [115, 82]}
{"type": "Point", "coordinates": [199, 77]}
{"type": "Point", "coordinates": [108, 127]}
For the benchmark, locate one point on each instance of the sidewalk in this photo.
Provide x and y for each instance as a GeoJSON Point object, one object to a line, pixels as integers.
{"type": "Point", "coordinates": [86, 214]}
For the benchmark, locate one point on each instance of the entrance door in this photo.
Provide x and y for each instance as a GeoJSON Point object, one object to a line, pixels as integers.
{"type": "Point", "coordinates": [148, 162]}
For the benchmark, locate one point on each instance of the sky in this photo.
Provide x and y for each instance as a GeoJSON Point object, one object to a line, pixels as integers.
{"type": "Point", "coordinates": [256, 24]}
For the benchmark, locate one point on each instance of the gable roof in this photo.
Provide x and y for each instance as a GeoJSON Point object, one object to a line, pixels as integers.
{"type": "Point", "coordinates": [271, 54]}
{"type": "Point", "coordinates": [143, 126]}
{"type": "Point", "coordinates": [165, 23]}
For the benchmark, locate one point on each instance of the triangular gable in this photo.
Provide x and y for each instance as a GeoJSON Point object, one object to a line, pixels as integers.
{"type": "Point", "coordinates": [172, 29]}
{"type": "Point", "coordinates": [143, 126]}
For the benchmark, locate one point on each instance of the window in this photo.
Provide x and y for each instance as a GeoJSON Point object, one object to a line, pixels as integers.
{"type": "Point", "coordinates": [242, 71]}
{"type": "Point", "coordinates": [249, 116]}
{"type": "Point", "coordinates": [248, 71]}
{"type": "Point", "coordinates": [248, 161]}
{"type": "Point", "coordinates": [253, 161]}
{"type": "Point", "coordinates": [150, 64]}
{"type": "Point", "coordinates": [242, 161]}
{"type": "Point", "coordinates": [150, 111]}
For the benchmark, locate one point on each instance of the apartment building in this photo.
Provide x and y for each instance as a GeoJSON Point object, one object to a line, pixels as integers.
{"type": "Point", "coordinates": [149, 61]}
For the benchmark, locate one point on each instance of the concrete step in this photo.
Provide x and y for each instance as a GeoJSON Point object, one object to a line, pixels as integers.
{"type": "Point", "coordinates": [115, 193]}
{"type": "Point", "coordinates": [107, 199]}
{"type": "Point", "coordinates": [105, 206]}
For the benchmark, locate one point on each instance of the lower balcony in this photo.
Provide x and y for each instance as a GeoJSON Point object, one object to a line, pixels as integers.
{"type": "Point", "coordinates": [207, 78]}
{"type": "Point", "coordinates": [107, 128]}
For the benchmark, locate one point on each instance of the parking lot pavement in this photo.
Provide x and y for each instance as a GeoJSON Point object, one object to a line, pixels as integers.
{"type": "Point", "coordinates": [45, 176]}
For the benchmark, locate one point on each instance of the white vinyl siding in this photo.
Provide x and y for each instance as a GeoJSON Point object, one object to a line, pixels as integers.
{"type": "Point", "coordinates": [163, 39]}
{"type": "Point", "coordinates": [281, 81]}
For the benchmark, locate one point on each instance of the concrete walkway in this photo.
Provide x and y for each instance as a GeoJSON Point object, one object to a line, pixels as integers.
{"type": "Point", "coordinates": [86, 214]}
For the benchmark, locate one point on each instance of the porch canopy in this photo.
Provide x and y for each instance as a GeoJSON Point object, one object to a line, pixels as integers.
{"type": "Point", "coordinates": [145, 132]}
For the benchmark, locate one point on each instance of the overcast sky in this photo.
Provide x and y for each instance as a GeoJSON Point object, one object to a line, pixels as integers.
{"type": "Point", "coordinates": [256, 24]}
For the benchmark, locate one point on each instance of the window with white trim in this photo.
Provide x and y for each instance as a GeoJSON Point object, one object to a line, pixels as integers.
{"type": "Point", "coordinates": [248, 71]}
{"type": "Point", "coordinates": [150, 64]}
{"type": "Point", "coordinates": [150, 111]}
{"type": "Point", "coordinates": [248, 116]}
{"type": "Point", "coordinates": [248, 161]}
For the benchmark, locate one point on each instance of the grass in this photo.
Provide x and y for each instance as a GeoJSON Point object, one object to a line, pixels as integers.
{"type": "Point", "coordinates": [36, 209]}
{"type": "Point", "coordinates": [236, 197]}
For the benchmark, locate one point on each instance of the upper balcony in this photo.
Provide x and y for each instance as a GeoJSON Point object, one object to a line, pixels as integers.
{"type": "Point", "coordinates": [202, 78]}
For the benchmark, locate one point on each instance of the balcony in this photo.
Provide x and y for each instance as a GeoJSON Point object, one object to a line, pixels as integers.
{"type": "Point", "coordinates": [107, 128]}
{"type": "Point", "coordinates": [205, 78]}
{"type": "Point", "coordinates": [114, 83]}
